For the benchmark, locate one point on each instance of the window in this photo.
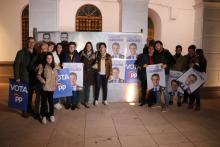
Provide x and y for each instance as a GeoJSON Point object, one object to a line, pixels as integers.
{"type": "Point", "coordinates": [88, 19]}
{"type": "Point", "coordinates": [25, 25]}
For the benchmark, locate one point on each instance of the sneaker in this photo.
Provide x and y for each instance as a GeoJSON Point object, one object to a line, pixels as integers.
{"type": "Point", "coordinates": [58, 106]}
{"type": "Point", "coordinates": [67, 106]}
{"type": "Point", "coordinates": [164, 109]}
{"type": "Point", "coordinates": [86, 105]}
{"type": "Point", "coordinates": [73, 107]}
{"type": "Point", "coordinates": [95, 103]}
{"type": "Point", "coordinates": [52, 118]}
{"type": "Point", "coordinates": [105, 102]}
{"type": "Point", "coordinates": [44, 120]}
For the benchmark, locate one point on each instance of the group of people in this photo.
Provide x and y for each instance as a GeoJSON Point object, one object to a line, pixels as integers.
{"type": "Point", "coordinates": [37, 65]}
{"type": "Point", "coordinates": [154, 53]}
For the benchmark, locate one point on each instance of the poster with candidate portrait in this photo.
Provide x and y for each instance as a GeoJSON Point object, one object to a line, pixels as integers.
{"type": "Point", "coordinates": [64, 87]}
{"type": "Point", "coordinates": [155, 76]}
{"type": "Point", "coordinates": [192, 80]}
{"type": "Point", "coordinates": [76, 75]}
{"type": "Point", "coordinates": [116, 46]}
{"type": "Point", "coordinates": [134, 45]}
{"type": "Point", "coordinates": [48, 36]}
{"type": "Point", "coordinates": [174, 75]}
{"type": "Point", "coordinates": [118, 72]}
{"type": "Point", "coordinates": [130, 72]}
{"type": "Point", "coordinates": [18, 95]}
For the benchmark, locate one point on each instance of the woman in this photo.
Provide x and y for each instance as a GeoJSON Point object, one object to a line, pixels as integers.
{"type": "Point", "coordinates": [103, 68]}
{"type": "Point", "coordinates": [200, 65]}
{"type": "Point", "coordinates": [143, 61]}
{"type": "Point", "coordinates": [88, 58]}
{"type": "Point", "coordinates": [47, 75]}
{"type": "Point", "coordinates": [57, 54]}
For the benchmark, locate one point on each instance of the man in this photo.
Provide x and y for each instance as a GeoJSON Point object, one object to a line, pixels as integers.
{"type": "Point", "coordinates": [133, 51]}
{"type": "Point", "coordinates": [179, 59]}
{"type": "Point", "coordinates": [115, 50]}
{"type": "Point", "coordinates": [64, 37]}
{"type": "Point", "coordinates": [190, 59]}
{"type": "Point", "coordinates": [115, 76]}
{"type": "Point", "coordinates": [191, 79]}
{"type": "Point", "coordinates": [156, 93]}
{"type": "Point", "coordinates": [46, 37]}
{"type": "Point", "coordinates": [175, 94]}
{"type": "Point", "coordinates": [23, 71]}
{"type": "Point", "coordinates": [163, 56]}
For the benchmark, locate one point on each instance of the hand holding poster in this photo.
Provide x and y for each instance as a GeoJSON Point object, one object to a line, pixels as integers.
{"type": "Point", "coordinates": [192, 80]}
{"type": "Point", "coordinates": [63, 84]}
{"type": "Point", "coordinates": [76, 75]}
{"type": "Point", "coordinates": [155, 76]}
{"type": "Point", "coordinates": [18, 95]}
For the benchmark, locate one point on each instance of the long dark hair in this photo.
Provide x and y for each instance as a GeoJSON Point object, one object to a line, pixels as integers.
{"type": "Point", "coordinates": [57, 47]}
{"type": "Point", "coordinates": [52, 65]}
{"type": "Point", "coordinates": [85, 50]}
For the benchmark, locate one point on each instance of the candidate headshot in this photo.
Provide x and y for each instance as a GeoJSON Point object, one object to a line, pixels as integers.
{"type": "Point", "coordinates": [116, 51]}
{"type": "Point", "coordinates": [64, 37]}
{"type": "Point", "coordinates": [115, 76]}
{"type": "Point", "coordinates": [46, 37]}
{"type": "Point", "coordinates": [73, 80]}
{"type": "Point", "coordinates": [174, 85]}
{"type": "Point", "coordinates": [191, 79]}
{"type": "Point", "coordinates": [133, 51]}
{"type": "Point", "coordinates": [155, 78]}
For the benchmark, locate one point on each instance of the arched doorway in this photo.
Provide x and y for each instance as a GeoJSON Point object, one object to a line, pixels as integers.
{"type": "Point", "coordinates": [25, 25]}
{"type": "Point", "coordinates": [154, 25]}
{"type": "Point", "coordinates": [150, 35]}
{"type": "Point", "coordinates": [88, 19]}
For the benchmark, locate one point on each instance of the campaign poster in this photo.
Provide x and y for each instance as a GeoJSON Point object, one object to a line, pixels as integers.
{"type": "Point", "coordinates": [18, 95]}
{"type": "Point", "coordinates": [173, 84]}
{"type": "Point", "coordinates": [118, 72]}
{"type": "Point", "coordinates": [155, 76]}
{"type": "Point", "coordinates": [48, 36]}
{"type": "Point", "coordinates": [64, 87]}
{"type": "Point", "coordinates": [130, 72]}
{"type": "Point", "coordinates": [116, 46]}
{"type": "Point", "coordinates": [134, 44]}
{"type": "Point", "coordinates": [76, 75]}
{"type": "Point", "coordinates": [192, 80]}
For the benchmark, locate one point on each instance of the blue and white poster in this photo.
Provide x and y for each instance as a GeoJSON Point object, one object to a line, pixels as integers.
{"type": "Point", "coordinates": [130, 72]}
{"type": "Point", "coordinates": [18, 95]}
{"type": "Point", "coordinates": [63, 84]}
{"type": "Point", "coordinates": [155, 76]}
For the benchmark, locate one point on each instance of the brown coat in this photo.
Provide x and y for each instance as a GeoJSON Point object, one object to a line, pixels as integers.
{"type": "Point", "coordinates": [108, 64]}
{"type": "Point", "coordinates": [180, 64]}
{"type": "Point", "coordinates": [48, 77]}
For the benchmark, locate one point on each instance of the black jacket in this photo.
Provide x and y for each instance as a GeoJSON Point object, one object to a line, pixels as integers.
{"type": "Point", "coordinates": [139, 63]}
{"type": "Point", "coordinates": [164, 57]}
{"type": "Point", "coordinates": [22, 67]}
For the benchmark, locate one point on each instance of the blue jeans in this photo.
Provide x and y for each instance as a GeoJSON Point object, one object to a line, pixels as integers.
{"type": "Point", "coordinates": [74, 99]}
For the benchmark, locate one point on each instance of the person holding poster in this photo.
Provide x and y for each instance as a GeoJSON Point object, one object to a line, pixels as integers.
{"type": "Point", "coordinates": [47, 75]}
{"type": "Point", "coordinates": [73, 101]}
{"type": "Point", "coordinates": [200, 65]}
{"type": "Point", "coordinates": [87, 57]}
{"type": "Point", "coordinates": [190, 59]}
{"type": "Point", "coordinates": [71, 56]}
{"type": "Point", "coordinates": [157, 92]}
{"type": "Point", "coordinates": [116, 51]}
{"type": "Point", "coordinates": [23, 71]}
{"type": "Point", "coordinates": [164, 57]}
{"type": "Point", "coordinates": [103, 68]}
{"type": "Point", "coordinates": [133, 51]}
{"type": "Point", "coordinates": [141, 63]}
